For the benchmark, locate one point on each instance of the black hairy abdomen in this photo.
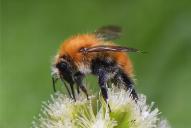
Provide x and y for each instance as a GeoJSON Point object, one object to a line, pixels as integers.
{"type": "Point", "coordinates": [109, 66]}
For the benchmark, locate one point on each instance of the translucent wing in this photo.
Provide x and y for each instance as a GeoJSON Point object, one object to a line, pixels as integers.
{"type": "Point", "coordinates": [108, 32]}
{"type": "Point", "coordinates": [112, 48]}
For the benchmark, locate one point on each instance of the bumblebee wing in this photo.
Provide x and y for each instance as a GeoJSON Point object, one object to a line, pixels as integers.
{"type": "Point", "coordinates": [106, 48]}
{"type": "Point", "coordinates": [108, 32]}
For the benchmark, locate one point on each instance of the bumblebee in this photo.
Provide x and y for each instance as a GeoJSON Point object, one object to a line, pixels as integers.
{"type": "Point", "coordinates": [94, 53]}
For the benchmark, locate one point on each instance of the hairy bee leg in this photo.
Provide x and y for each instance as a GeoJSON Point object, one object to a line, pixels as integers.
{"type": "Point", "coordinates": [73, 92]}
{"type": "Point", "coordinates": [103, 79]}
{"type": "Point", "coordinates": [69, 93]}
{"type": "Point", "coordinates": [78, 89]}
{"type": "Point", "coordinates": [82, 87]}
{"type": "Point", "coordinates": [79, 82]}
{"type": "Point", "coordinates": [85, 91]}
{"type": "Point", "coordinates": [66, 86]}
{"type": "Point", "coordinates": [133, 93]}
{"type": "Point", "coordinates": [129, 84]}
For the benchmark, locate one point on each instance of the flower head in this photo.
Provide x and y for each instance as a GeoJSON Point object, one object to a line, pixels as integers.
{"type": "Point", "coordinates": [63, 112]}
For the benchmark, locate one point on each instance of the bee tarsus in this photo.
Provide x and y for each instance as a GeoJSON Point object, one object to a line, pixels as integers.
{"type": "Point", "coordinates": [73, 92]}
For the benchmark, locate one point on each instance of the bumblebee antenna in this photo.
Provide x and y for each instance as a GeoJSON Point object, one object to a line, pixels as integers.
{"type": "Point", "coordinates": [54, 83]}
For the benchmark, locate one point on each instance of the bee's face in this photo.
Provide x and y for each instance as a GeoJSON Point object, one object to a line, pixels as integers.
{"type": "Point", "coordinates": [64, 71]}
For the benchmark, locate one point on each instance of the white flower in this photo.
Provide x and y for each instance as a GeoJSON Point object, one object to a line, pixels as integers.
{"type": "Point", "coordinates": [63, 112]}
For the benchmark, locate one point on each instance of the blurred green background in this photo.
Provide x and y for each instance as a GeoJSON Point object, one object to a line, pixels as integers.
{"type": "Point", "coordinates": [31, 32]}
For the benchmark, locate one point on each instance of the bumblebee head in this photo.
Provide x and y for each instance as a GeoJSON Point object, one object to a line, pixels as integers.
{"type": "Point", "coordinates": [62, 69]}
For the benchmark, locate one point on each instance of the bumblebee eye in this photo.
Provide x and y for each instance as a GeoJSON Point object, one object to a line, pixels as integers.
{"type": "Point", "coordinates": [62, 65]}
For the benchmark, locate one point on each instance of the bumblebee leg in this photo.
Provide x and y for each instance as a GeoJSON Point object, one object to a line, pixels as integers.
{"type": "Point", "coordinates": [73, 92]}
{"type": "Point", "coordinates": [103, 79]}
{"type": "Point", "coordinates": [79, 82]}
{"type": "Point", "coordinates": [67, 88]}
{"type": "Point", "coordinates": [126, 80]}
{"type": "Point", "coordinates": [102, 84]}
{"type": "Point", "coordinates": [78, 89]}
{"type": "Point", "coordinates": [84, 90]}
{"type": "Point", "coordinates": [82, 87]}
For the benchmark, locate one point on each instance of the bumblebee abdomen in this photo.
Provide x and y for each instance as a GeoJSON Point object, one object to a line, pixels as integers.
{"type": "Point", "coordinates": [122, 61]}
{"type": "Point", "coordinates": [112, 62]}
{"type": "Point", "coordinates": [125, 63]}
